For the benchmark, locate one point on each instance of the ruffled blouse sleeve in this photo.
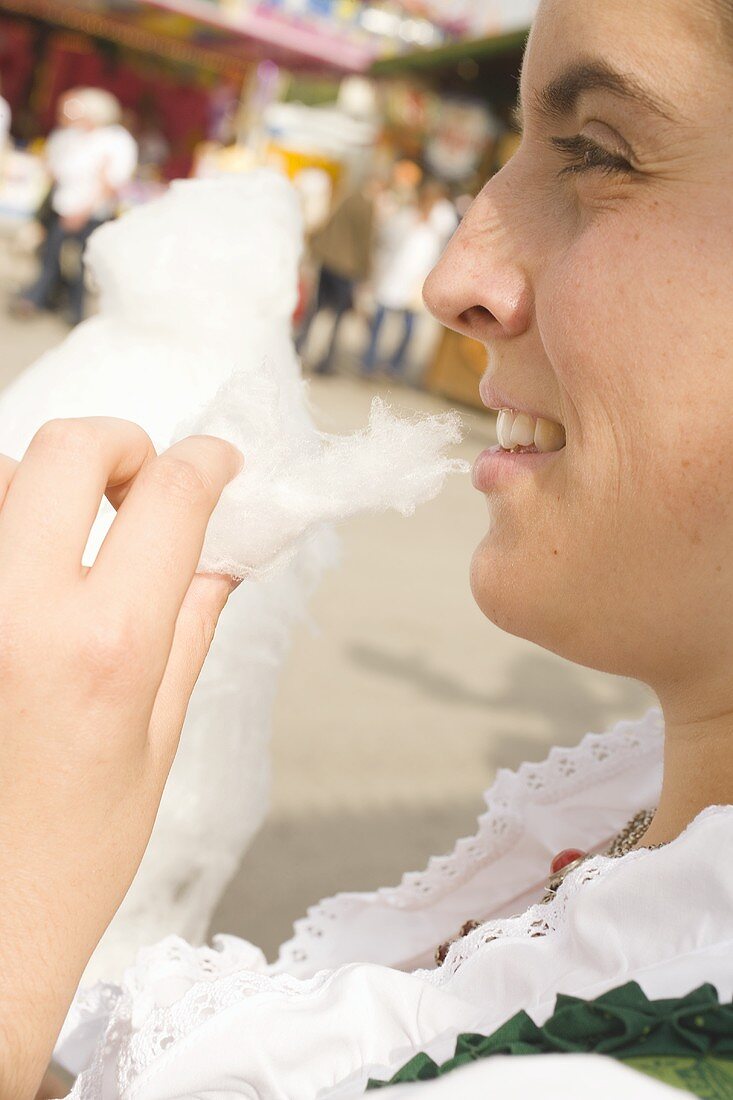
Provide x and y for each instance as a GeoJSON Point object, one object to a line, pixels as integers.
{"type": "Point", "coordinates": [251, 1035]}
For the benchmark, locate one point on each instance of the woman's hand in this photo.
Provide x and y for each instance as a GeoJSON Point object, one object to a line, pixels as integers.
{"type": "Point", "coordinates": [96, 670]}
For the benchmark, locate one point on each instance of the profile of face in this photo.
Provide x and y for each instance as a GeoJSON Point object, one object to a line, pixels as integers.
{"type": "Point", "coordinates": [596, 268]}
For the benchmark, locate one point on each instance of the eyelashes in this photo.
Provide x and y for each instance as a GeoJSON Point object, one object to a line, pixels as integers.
{"type": "Point", "coordinates": [584, 155]}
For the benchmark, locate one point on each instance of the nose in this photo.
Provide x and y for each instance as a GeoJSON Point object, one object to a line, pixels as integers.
{"type": "Point", "coordinates": [480, 286]}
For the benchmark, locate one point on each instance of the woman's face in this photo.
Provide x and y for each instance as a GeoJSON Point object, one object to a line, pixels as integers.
{"type": "Point", "coordinates": [597, 268]}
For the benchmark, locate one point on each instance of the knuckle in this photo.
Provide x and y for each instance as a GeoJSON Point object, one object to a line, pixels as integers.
{"type": "Point", "coordinates": [109, 650]}
{"type": "Point", "coordinates": [181, 479]}
{"type": "Point", "coordinates": [72, 435]}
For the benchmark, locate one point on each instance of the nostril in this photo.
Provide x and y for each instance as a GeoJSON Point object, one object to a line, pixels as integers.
{"type": "Point", "coordinates": [476, 321]}
{"type": "Point", "coordinates": [476, 313]}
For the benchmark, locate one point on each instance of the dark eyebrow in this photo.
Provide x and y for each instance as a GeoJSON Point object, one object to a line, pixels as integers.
{"type": "Point", "coordinates": [560, 97]}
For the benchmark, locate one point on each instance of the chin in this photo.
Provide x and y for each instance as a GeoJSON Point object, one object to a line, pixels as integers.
{"type": "Point", "coordinates": [501, 593]}
{"type": "Point", "coordinates": [523, 597]}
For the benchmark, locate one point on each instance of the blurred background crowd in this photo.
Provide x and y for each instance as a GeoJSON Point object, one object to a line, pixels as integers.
{"type": "Point", "coordinates": [388, 116]}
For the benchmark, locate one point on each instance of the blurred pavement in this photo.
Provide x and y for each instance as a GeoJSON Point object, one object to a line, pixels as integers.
{"type": "Point", "coordinates": [399, 701]}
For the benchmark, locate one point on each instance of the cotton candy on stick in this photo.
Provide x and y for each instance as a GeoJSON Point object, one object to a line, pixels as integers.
{"type": "Point", "coordinates": [297, 480]}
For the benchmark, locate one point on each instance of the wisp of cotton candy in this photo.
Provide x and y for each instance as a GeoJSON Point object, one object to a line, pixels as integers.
{"type": "Point", "coordinates": [297, 480]}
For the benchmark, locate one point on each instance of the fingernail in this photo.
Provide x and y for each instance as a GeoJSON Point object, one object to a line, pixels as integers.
{"type": "Point", "coordinates": [239, 461]}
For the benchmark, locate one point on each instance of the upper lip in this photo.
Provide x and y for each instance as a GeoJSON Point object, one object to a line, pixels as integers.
{"type": "Point", "coordinates": [497, 399]}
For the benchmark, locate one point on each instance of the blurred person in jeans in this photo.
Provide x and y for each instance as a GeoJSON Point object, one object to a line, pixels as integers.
{"type": "Point", "coordinates": [90, 157]}
{"type": "Point", "coordinates": [343, 248]}
{"type": "Point", "coordinates": [411, 243]}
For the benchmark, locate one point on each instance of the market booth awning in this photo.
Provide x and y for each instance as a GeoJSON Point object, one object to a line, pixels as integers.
{"type": "Point", "coordinates": [447, 56]}
{"type": "Point", "coordinates": [203, 33]}
{"type": "Point", "coordinates": [485, 68]}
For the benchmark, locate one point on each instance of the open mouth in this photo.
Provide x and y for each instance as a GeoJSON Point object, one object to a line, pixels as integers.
{"type": "Point", "coordinates": [524, 434]}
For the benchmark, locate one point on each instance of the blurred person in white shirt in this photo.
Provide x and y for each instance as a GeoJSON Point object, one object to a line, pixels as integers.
{"type": "Point", "coordinates": [90, 157]}
{"type": "Point", "coordinates": [412, 240]}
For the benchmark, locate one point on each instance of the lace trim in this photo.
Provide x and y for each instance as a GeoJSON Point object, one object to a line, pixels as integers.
{"type": "Point", "coordinates": [167, 1026]}
{"type": "Point", "coordinates": [547, 918]}
{"type": "Point", "coordinates": [598, 756]}
{"type": "Point", "coordinates": [161, 976]}
{"type": "Point", "coordinates": [133, 1051]}
{"type": "Point", "coordinates": [538, 921]}
{"type": "Point", "coordinates": [139, 1032]}
{"type": "Point", "coordinates": [176, 959]}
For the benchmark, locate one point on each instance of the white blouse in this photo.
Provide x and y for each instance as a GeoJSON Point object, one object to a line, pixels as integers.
{"type": "Point", "coordinates": [345, 1000]}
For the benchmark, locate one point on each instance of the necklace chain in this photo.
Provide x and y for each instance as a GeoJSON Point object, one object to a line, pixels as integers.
{"type": "Point", "coordinates": [631, 834]}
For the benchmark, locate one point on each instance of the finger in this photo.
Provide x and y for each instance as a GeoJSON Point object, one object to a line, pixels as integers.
{"type": "Point", "coordinates": [116, 493]}
{"type": "Point", "coordinates": [154, 544]}
{"type": "Point", "coordinates": [55, 492]}
{"type": "Point", "coordinates": [194, 632]}
{"type": "Point", "coordinates": [8, 466]}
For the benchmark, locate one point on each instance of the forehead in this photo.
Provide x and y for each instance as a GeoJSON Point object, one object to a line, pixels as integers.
{"type": "Point", "coordinates": [673, 47]}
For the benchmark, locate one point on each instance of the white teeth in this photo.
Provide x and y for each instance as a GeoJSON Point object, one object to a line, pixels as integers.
{"type": "Point", "coordinates": [504, 422]}
{"type": "Point", "coordinates": [514, 429]}
{"type": "Point", "coordinates": [548, 436]}
{"type": "Point", "coordinates": [522, 433]}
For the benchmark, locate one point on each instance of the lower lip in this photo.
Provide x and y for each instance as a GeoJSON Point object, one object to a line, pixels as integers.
{"type": "Point", "coordinates": [496, 467]}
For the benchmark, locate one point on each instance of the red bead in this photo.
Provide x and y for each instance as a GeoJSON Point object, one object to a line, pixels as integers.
{"type": "Point", "coordinates": [563, 858]}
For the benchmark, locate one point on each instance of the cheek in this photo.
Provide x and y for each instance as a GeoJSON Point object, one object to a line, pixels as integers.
{"type": "Point", "coordinates": [636, 322]}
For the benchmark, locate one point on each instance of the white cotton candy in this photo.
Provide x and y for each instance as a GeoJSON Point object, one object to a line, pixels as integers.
{"type": "Point", "coordinates": [197, 288]}
{"type": "Point", "coordinates": [296, 480]}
